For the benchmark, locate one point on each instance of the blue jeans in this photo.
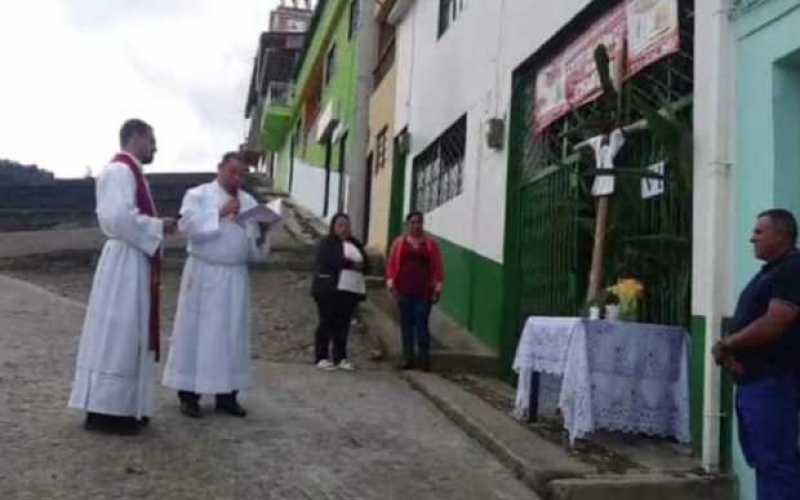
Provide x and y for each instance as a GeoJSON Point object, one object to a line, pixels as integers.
{"type": "Point", "coordinates": [414, 315]}
{"type": "Point", "coordinates": [768, 411]}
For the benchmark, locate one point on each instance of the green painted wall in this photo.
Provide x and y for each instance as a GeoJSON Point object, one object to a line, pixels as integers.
{"type": "Point", "coordinates": [697, 368]}
{"type": "Point", "coordinates": [696, 378]}
{"type": "Point", "coordinates": [281, 180]}
{"type": "Point", "coordinates": [767, 170]}
{"type": "Point", "coordinates": [473, 292]}
{"type": "Point", "coordinates": [333, 29]}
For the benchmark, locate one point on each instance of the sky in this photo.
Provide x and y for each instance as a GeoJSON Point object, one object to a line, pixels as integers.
{"type": "Point", "coordinates": [74, 70]}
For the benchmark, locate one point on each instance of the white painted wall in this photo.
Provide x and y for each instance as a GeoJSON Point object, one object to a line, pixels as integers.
{"type": "Point", "coordinates": [308, 188]}
{"type": "Point", "coordinates": [469, 70]}
{"type": "Point", "coordinates": [713, 225]}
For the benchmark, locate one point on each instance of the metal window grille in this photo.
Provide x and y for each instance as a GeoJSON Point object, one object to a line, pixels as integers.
{"type": "Point", "coordinates": [386, 52]}
{"type": "Point", "coordinates": [380, 149]}
{"type": "Point", "coordinates": [353, 27]}
{"type": "Point", "coordinates": [438, 172]}
{"type": "Point", "coordinates": [330, 64]}
{"type": "Point", "coordinates": [449, 10]}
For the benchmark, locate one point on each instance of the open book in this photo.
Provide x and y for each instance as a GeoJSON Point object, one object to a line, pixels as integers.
{"type": "Point", "coordinates": [270, 214]}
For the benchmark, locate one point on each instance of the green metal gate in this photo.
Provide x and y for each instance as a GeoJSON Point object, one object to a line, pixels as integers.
{"type": "Point", "coordinates": [551, 271]}
{"type": "Point", "coordinates": [551, 210]}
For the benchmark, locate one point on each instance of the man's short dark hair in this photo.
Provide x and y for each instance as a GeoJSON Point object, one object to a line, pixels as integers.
{"type": "Point", "coordinates": [783, 220]}
{"type": "Point", "coordinates": [231, 155]}
{"type": "Point", "coordinates": [132, 127]}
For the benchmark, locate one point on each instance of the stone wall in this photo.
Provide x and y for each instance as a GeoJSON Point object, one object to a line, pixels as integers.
{"type": "Point", "coordinates": [71, 203]}
{"type": "Point", "coordinates": [13, 173]}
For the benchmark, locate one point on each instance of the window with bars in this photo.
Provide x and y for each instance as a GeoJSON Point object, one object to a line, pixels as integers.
{"type": "Point", "coordinates": [438, 172]}
{"type": "Point", "coordinates": [380, 149]}
{"type": "Point", "coordinates": [330, 64]}
{"type": "Point", "coordinates": [353, 27]}
{"type": "Point", "coordinates": [449, 10]}
{"type": "Point", "coordinates": [386, 52]}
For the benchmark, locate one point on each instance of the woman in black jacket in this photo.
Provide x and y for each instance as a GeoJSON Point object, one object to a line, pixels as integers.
{"type": "Point", "coordinates": [337, 288]}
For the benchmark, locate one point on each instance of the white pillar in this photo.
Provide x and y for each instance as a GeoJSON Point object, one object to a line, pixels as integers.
{"type": "Point", "coordinates": [714, 104]}
{"type": "Point", "coordinates": [366, 41]}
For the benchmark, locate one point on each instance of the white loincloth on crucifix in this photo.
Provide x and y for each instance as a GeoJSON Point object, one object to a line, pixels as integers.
{"type": "Point", "coordinates": [602, 189]}
{"type": "Point", "coordinates": [604, 155]}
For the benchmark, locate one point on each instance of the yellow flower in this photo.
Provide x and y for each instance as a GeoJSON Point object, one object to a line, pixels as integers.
{"type": "Point", "coordinates": [627, 290]}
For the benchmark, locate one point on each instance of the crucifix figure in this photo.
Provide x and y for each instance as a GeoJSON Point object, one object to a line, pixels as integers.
{"type": "Point", "coordinates": [605, 148]}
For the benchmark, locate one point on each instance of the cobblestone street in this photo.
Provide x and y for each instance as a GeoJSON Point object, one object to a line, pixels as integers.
{"type": "Point", "coordinates": [310, 435]}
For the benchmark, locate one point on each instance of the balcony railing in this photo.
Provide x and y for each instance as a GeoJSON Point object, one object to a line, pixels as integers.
{"type": "Point", "coordinates": [385, 63]}
{"type": "Point", "coordinates": [279, 94]}
{"type": "Point", "coordinates": [254, 130]}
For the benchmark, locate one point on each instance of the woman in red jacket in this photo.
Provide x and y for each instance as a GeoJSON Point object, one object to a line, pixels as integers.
{"type": "Point", "coordinates": [415, 276]}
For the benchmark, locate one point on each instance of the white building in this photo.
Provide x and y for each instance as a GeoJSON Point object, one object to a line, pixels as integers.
{"type": "Point", "coordinates": [456, 66]}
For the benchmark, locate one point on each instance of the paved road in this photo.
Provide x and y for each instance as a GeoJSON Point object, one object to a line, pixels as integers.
{"type": "Point", "coordinates": [310, 435]}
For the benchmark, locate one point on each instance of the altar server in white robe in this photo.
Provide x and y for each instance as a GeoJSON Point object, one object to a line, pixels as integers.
{"type": "Point", "coordinates": [119, 343]}
{"type": "Point", "coordinates": [210, 344]}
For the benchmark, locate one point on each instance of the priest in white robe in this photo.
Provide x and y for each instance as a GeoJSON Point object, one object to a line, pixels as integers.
{"type": "Point", "coordinates": [119, 343]}
{"type": "Point", "coordinates": [210, 344]}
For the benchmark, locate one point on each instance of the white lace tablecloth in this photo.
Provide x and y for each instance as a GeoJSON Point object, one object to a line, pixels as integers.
{"type": "Point", "coordinates": [618, 376]}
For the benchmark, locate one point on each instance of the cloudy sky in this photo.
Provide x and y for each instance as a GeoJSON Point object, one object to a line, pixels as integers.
{"type": "Point", "coordinates": [74, 70]}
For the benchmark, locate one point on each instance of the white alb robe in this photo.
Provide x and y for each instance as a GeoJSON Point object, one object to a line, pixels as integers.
{"type": "Point", "coordinates": [114, 369]}
{"type": "Point", "coordinates": [210, 345]}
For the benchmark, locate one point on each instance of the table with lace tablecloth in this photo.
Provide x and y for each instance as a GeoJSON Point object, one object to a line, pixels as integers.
{"type": "Point", "coordinates": [611, 375]}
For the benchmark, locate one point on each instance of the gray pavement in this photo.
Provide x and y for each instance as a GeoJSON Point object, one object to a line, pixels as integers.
{"type": "Point", "coordinates": [310, 435]}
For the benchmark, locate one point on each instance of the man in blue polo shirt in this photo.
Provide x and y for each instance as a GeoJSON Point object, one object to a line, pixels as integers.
{"type": "Point", "coordinates": [763, 353]}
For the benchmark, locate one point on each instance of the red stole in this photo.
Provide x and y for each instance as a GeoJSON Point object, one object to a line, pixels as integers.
{"type": "Point", "coordinates": [144, 202]}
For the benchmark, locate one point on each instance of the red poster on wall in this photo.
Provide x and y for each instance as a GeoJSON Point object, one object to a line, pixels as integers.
{"type": "Point", "coordinates": [653, 32]}
{"type": "Point", "coordinates": [583, 80]}
{"type": "Point", "coordinates": [637, 34]}
{"type": "Point", "coordinates": [551, 95]}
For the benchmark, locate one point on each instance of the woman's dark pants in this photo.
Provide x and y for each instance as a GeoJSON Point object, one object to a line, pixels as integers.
{"type": "Point", "coordinates": [335, 314]}
{"type": "Point", "coordinates": [415, 313]}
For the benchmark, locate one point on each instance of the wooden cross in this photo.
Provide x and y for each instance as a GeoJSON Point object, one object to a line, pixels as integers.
{"type": "Point", "coordinates": [605, 148]}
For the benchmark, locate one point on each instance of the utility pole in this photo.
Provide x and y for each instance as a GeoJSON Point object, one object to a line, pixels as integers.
{"type": "Point", "coordinates": [366, 47]}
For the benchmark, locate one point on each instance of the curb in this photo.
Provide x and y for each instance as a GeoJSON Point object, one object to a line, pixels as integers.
{"type": "Point", "coordinates": [385, 332]}
{"type": "Point", "coordinates": [549, 470]}
{"type": "Point", "coordinates": [550, 463]}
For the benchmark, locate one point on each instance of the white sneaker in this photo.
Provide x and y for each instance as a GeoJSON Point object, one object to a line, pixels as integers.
{"type": "Point", "coordinates": [326, 365]}
{"type": "Point", "coordinates": [346, 365]}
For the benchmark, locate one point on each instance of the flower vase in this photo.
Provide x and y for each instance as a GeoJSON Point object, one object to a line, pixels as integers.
{"type": "Point", "coordinates": [612, 312]}
{"type": "Point", "coordinates": [629, 310]}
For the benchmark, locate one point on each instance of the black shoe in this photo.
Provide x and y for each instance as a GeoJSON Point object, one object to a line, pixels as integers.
{"type": "Point", "coordinates": [231, 408]}
{"type": "Point", "coordinates": [425, 365]}
{"type": "Point", "coordinates": [407, 365]}
{"type": "Point", "coordinates": [110, 424]}
{"type": "Point", "coordinates": [126, 426]}
{"type": "Point", "coordinates": [144, 422]}
{"type": "Point", "coordinates": [191, 409]}
{"type": "Point", "coordinates": [94, 421]}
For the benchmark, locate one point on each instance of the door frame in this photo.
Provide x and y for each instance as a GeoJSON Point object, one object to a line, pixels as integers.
{"type": "Point", "coordinates": [398, 189]}
{"type": "Point", "coordinates": [328, 159]}
{"type": "Point", "coordinates": [368, 197]}
{"type": "Point", "coordinates": [342, 170]}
